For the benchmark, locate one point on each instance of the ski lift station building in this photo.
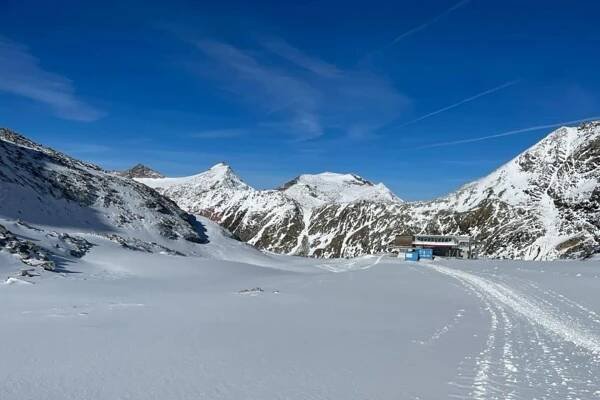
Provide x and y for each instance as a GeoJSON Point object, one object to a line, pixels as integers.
{"type": "Point", "coordinates": [442, 245]}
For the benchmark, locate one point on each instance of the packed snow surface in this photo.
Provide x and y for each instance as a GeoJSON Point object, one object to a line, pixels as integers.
{"type": "Point", "coordinates": [231, 322]}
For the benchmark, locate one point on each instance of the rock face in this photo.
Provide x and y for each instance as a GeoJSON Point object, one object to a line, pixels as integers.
{"type": "Point", "coordinates": [544, 204]}
{"type": "Point", "coordinates": [140, 171]}
{"type": "Point", "coordinates": [44, 188]}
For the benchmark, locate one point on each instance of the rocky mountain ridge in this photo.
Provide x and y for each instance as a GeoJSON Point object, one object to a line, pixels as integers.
{"type": "Point", "coordinates": [543, 204]}
{"type": "Point", "coordinates": [44, 192]}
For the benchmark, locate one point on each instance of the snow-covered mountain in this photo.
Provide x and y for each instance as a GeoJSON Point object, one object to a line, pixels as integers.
{"type": "Point", "coordinates": [544, 204]}
{"type": "Point", "coordinates": [220, 176]}
{"type": "Point", "coordinates": [275, 220]}
{"type": "Point", "coordinates": [312, 191]}
{"type": "Point", "coordinates": [267, 219]}
{"type": "Point", "coordinates": [47, 193]}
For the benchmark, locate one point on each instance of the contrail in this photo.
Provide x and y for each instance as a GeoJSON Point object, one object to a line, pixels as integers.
{"type": "Point", "coordinates": [415, 30]}
{"type": "Point", "coordinates": [507, 133]}
{"type": "Point", "coordinates": [430, 22]}
{"type": "Point", "coordinates": [468, 99]}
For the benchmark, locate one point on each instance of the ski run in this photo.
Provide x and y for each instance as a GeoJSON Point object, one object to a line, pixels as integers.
{"type": "Point", "coordinates": [232, 322]}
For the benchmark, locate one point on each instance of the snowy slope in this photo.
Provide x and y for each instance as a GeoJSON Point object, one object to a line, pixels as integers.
{"type": "Point", "coordinates": [544, 204]}
{"type": "Point", "coordinates": [138, 326]}
{"type": "Point", "coordinates": [48, 193]}
{"type": "Point", "coordinates": [232, 322]}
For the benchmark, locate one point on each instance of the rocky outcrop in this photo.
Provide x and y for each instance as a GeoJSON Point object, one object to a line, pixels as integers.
{"type": "Point", "coordinates": [140, 171]}
{"type": "Point", "coordinates": [28, 252]}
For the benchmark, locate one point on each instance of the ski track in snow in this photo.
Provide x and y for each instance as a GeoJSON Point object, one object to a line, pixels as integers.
{"type": "Point", "coordinates": [539, 343]}
{"type": "Point", "coordinates": [355, 264]}
{"type": "Point", "coordinates": [444, 329]}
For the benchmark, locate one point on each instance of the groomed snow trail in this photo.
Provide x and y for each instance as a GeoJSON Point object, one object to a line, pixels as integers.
{"type": "Point", "coordinates": [354, 264]}
{"type": "Point", "coordinates": [539, 342]}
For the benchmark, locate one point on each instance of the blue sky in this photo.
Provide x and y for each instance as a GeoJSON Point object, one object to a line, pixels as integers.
{"type": "Point", "coordinates": [381, 89]}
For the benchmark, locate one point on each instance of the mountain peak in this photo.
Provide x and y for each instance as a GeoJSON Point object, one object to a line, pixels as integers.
{"type": "Point", "coordinates": [313, 190]}
{"type": "Point", "coordinates": [140, 171]}
{"type": "Point", "coordinates": [221, 174]}
{"type": "Point", "coordinates": [218, 176]}
{"type": "Point", "coordinates": [536, 170]}
{"type": "Point", "coordinates": [220, 166]}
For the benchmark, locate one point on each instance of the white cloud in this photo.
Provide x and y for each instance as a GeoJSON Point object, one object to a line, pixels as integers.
{"type": "Point", "coordinates": [265, 86]}
{"type": "Point", "coordinates": [21, 75]}
{"type": "Point", "coordinates": [301, 94]}
{"type": "Point", "coordinates": [295, 56]}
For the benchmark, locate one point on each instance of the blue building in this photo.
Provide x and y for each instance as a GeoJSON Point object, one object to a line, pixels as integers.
{"type": "Point", "coordinates": [425, 253]}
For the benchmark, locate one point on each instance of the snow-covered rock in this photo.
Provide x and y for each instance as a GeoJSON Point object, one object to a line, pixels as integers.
{"type": "Point", "coordinates": [25, 250]}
